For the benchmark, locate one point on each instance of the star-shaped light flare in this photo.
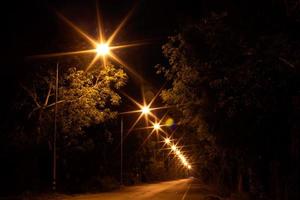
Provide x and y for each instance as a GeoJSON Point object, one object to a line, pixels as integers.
{"type": "Point", "coordinates": [167, 141]}
{"type": "Point", "coordinates": [102, 47]}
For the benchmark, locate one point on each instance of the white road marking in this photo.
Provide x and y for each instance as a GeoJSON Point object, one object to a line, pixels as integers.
{"type": "Point", "coordinates": [183, 197]}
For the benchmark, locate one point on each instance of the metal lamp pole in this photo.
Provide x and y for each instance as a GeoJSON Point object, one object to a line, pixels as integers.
{"type": "Point", "coordinates": [121, 169]}
{"type": "Point", "coordinates": [55, 132]}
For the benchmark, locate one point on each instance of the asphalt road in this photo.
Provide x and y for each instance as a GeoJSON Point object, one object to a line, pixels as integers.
{"type": "Point", "coordinates": [183, 189]}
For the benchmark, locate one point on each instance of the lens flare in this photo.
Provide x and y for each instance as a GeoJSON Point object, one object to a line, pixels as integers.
{"type": "Point", "coordinates": [169, 122]}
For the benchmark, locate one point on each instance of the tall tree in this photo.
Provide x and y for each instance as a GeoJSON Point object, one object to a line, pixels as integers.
{"type": "Point", "coordinates": [234, 89]}
{"type": "Point", "coordinates": [84, 98]}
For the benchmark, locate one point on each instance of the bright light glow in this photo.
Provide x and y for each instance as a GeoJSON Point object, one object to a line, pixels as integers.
{"type": "Point", "coordinates": [189, 167]}
{"type": "Point", "coordinates": [102, 49]}
{"type": "Point", "coordinates": [156, 126]}
{"type": "Point", "coordinates": [167, 140]}
{"type": "Point", "coordinates": [173, 147]}
{"type": "Point", "coordinates": [145, 110]}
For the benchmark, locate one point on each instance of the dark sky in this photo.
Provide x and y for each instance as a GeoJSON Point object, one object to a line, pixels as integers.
{"type": "Point", "coordinates": [32, 27]}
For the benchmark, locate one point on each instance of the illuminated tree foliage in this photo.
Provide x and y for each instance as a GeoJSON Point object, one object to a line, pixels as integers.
{"type": "Point", "coordinates": [233, 89]}
{"type": "Point", "coordinates": [84, 98]}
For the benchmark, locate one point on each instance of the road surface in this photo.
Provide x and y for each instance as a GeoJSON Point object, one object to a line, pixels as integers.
{"type": "Point", "coordinates": [183, 189]}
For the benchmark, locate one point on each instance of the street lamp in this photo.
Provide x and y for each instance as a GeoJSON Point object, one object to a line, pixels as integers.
{"type": "Point", "coordinates": [173, 147]}
{"type": "Point", "coordinates": [102, 49]}
{"type": "Point", "coordinates": [167, 140]}
{"type": "Point", "coordinates": [178, 153]}
{"type": "Point", "coordinates": [145, 110]}
{"type": "Point", "coordinates": [156, 126]}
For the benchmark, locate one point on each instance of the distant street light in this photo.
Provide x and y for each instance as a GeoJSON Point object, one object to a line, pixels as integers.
{"type": "Point", "coordinates": [167, 140]}
{"type": "Point", "coordinates": [173, 147]}
{"type": "Point", "coordinates": [177, 152]}
{"type": "Point", "coordinates": [145, 110]}
{"type": "Point", "coordinates": [156, 126]}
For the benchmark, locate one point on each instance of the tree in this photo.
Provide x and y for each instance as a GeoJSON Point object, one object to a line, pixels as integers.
{"type": "Point", "coordinates": [84, 98]}
{"type": "Point", "coordinates": [233, 89]}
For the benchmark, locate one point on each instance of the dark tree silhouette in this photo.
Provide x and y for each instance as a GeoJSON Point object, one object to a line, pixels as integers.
{"type": "Point", "coordinates": [234, 89]}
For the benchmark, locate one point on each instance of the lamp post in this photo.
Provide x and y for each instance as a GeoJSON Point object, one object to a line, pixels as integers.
{"type": "Point", "coordinates": [121, 168]}
{"type": "Point", "coordinates": [102, 49]}
{"type": "Point", "coordinates": [55, 132]}
{"type": "Point", "coordinates": [145, 110]}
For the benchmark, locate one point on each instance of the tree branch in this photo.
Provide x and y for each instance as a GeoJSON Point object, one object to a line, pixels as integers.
{"type": "Point", "coordinates": [286, 62]}
{"type": "Point", "coordinates": [53, 104]}
{"type": "Point", "coordinates": [48, 94]}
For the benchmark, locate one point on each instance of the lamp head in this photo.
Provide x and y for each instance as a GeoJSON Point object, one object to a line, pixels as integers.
{"type": "Point", "coordinates": [102, 49]}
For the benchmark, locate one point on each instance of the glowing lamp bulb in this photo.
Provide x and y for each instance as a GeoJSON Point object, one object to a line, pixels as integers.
{"type": "Point", "coordinates": [167, 141]}
{"type": "Point", "coordinates": [189, 167]}
{"type": "Point", "coordinates": [145, 109]}
{"type": "Point", "coordinates": [102, 49]}
{"type": "Point", "coordinates": [173, 147]}
{"type": "Point", "coordinates": [156, 126]}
